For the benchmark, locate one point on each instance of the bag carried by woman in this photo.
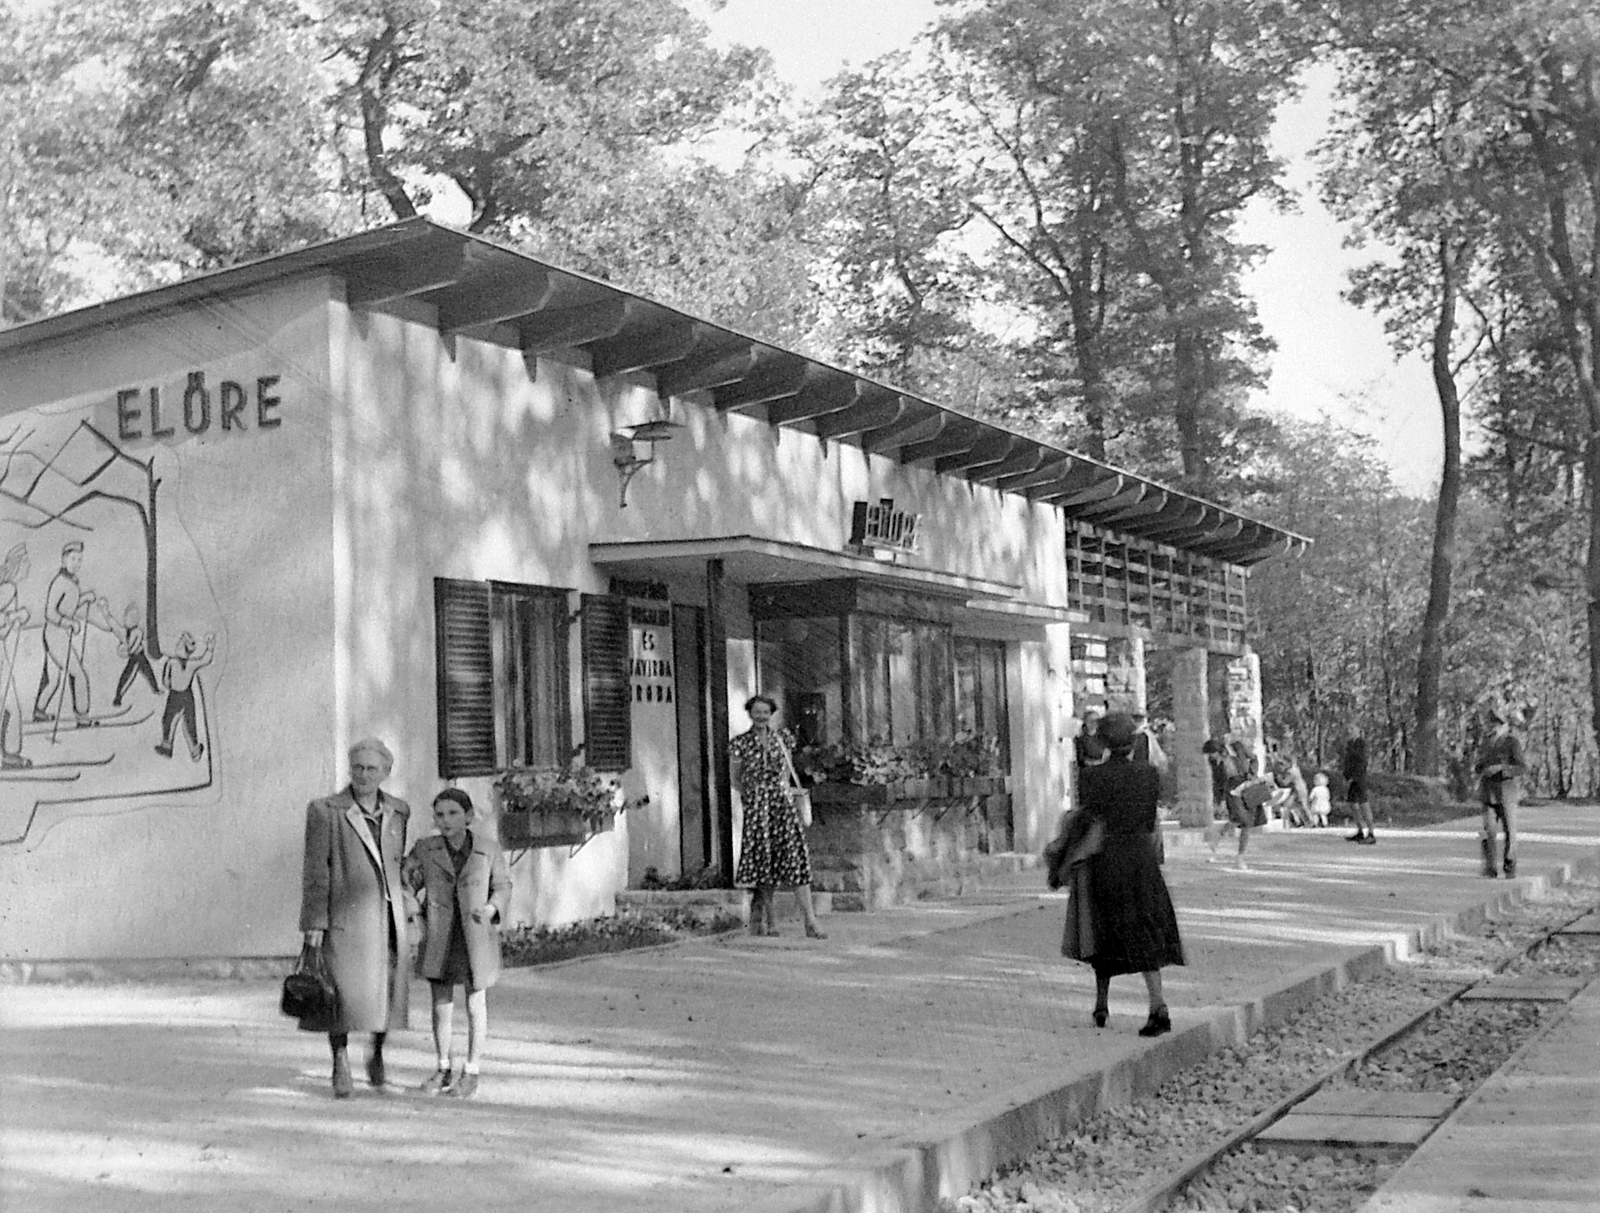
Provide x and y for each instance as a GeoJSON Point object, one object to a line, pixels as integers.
{"type": "Point", "coordinates": [799, 797]}
{"type": "Point", "coordinates": [308, 994]}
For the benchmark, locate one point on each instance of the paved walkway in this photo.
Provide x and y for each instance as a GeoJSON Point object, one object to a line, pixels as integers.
{"type": "Point", "coordinates": [731, 1074]}
{"type": "Point", "coordinates": [1527, 1141]}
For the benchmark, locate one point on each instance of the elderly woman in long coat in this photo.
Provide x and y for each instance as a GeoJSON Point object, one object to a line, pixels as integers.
{"type": "Point", "coordinates": [354, 906]}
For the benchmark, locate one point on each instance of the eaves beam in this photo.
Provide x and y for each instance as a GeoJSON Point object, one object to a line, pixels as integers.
{"type": "Point", "coordinates": [952, 440]}
{"type": "Point", "coordinates": [711, 368]}
{"type": "Point", "coordinates": [477, 308]}
{"type": "Point", "coordinates": [1031, 459]}
{"type": "Point", "coordinates": [995, 448]}
{"type": "Point", "coordinates": [654, 345]}
{"type": "Point", "coordinates": [558, 328]}
{"type": "Point", "coordinates": [779, 381]}
{"type": "Point", "coordinates": [913, 425]}
{"type": "Point", "coordinates": [817, 399]}
{"type": "Point", "coordinates": [861, 417]}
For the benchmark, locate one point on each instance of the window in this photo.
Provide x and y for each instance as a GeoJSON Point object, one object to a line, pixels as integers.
{"type": "Point", "coordinates": [981, 691]}
{"type": "Point", "coordinates": [502, 673]}
{"type": "Point", "coordinates": [901, 669]}
{"type": "Point", "coordinates": [797, 663]}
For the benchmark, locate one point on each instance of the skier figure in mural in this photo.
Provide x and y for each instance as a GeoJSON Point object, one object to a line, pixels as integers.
{"type": "Point", "coordinates": [67, 616]}
{"type": "Point", "coordinates": [131, 645]}
{"type": "Point", "coordinates": [178, 676]}
{"type": "Point", "coordinates": [13, 616]}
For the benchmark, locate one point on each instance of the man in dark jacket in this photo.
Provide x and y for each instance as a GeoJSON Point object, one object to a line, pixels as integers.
{"type": "Point", "coordinates": [1353, 766]}
{"type": "Point", "coordinates": [1500, 768]}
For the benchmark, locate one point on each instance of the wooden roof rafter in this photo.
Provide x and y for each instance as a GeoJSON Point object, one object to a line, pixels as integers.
{"type": "Point", "coordinates": [488, 291]}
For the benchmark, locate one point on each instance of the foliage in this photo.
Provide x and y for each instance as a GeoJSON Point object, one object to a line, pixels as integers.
{"type": "Point", "coordinates": [708, 877]}
{"type": "Point", "coordinates": [574, 789]}
{"type": "Point", "coordinates": [148, 140]}
{"type": "Point", "coordinates": [879, 761]}
{"type": "Point", "coordinates": [530, 945]}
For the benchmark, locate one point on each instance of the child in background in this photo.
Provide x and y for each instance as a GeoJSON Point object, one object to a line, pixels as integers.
{"type": "Point", "coordinates": [1321, 803]}
{"type": "Point", "coordinates": [465, 891]}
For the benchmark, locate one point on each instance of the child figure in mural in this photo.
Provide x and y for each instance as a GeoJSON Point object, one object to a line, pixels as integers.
{"type": "Point", "coordinates": [131, 646]}
{"type": "Point", "coordinates": [178, 676]}
{"type": "Point", "coordinates": [67, 607]}
{"type": "Point", "coordinates": [13, 617]}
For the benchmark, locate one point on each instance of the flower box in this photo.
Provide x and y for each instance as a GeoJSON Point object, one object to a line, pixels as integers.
{"type": "Point", "coordinates": [559, 827]}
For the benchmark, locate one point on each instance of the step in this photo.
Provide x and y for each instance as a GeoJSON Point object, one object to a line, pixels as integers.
{"type": "Point", "coordinates": [1523, 989]}
{"type": "Point", "coordinates": [1355, 1101]}
{"type": "Point", "coordinates": [1309, 1133]}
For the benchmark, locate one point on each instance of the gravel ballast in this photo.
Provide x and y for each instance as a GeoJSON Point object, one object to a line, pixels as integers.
{"type": "Point", "coordinates": [1107, 1160]}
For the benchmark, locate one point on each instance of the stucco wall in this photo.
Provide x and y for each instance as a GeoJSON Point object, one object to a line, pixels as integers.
{"type": "Point", "coordinates": [452, 460]}
{"type": "Point", "coordinates": [139, 854]}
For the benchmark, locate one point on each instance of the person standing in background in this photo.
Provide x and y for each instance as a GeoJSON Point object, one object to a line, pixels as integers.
{"type": "Point", "coordinates": [1353, 766]}
{"type": "Point", "coordinates": [1500, 768]}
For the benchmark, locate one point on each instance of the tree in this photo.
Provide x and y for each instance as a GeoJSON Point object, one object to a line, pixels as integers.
{"type": "Point", "coordinates": [1525, 138]}
{"type": "Point", "coordinates": [168, 137]}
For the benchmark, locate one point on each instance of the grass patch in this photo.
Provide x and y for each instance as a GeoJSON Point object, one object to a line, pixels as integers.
{"type": "Point", "coordinates": [523, 946]}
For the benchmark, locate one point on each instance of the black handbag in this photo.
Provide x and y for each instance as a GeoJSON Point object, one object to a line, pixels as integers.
{"type": "Point", "coordinates": [307, 992]}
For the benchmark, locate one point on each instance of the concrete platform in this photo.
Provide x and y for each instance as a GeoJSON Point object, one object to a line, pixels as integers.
{"type": "Point", "coordinates": [1527, 1141]}
{"type": "Point", "coordinates": [894, 1063]}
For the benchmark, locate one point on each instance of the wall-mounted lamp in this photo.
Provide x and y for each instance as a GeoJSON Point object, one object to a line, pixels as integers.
{"type": "Point", "coordinates": [634, 447]}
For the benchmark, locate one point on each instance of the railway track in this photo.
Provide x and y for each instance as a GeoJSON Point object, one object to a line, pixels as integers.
{"type": "Point", "coordinates": [1322, 1133]}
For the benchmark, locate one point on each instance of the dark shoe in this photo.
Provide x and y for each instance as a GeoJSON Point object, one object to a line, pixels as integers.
{"type": "Point", "coordinates": [1371, 840]}
{"type": "Point", "coordinates": [435, 1083]}
{"type": "Point", "coordinates": [1491, 865]}
{"type": "Point", "coordinates": [1356, 837]}
{"type": "Point", "coordinates": [815, 932]}
{"type": "Point", "coordinates": [343, 1085]}
{"type": "Point", "coordinates": [465, 1085]}
{"type": "Point", "coordinates": [1099, 1017]}
{"type": "Point", "coordinates": [164, 750]}
{"type": "Point", "coordinates": [1511, 867]}
{"type": "Point", "coordinates": [376, 1074]}
{"type": "Point", "coordinates": [1159, 1023]}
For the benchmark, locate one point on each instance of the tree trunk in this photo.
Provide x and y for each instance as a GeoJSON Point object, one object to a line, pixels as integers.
{"type": "Point", "coordinates": [1188, 358]}
{"type": "Point", "coordinates": [1430, 653]}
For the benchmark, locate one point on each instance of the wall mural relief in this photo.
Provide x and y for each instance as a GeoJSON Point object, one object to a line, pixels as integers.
{"type": "Point", "coordinates": [103, 700]}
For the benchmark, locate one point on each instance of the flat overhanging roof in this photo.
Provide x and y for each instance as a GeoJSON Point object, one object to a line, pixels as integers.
{"type": "Point", "coordinates": [484, 290]}
{"type": "Point", "coordinates": [752, 560]}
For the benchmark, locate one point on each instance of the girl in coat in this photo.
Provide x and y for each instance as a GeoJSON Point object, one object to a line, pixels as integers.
{"type": "Point", "coordinates": [465, 891]}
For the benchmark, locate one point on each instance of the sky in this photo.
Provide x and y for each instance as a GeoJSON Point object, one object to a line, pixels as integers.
{"type": "Point", "coordinates": [1332, 360]}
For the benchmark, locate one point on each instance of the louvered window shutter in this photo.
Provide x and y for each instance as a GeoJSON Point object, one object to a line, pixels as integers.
{"type": "Point", "coordinates": [607, 700]}
{"type": "Point", "coordinates": [465, 654]}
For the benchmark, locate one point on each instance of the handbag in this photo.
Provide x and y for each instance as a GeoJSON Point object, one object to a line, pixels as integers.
{"type": "Point", "coordinates": [799, 797]}
{"type": "Point", "coordinates": [1081, 838]}
{"type": "Point", "coordinates": [308, 994]}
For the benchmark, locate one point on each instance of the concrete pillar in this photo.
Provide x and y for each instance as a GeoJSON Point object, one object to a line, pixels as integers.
{"type": "Point", "coordinates": [1125, 689]}
{"type": "Point", "coordinates": [1244, 705]}
{"type": "Point", "coordinates": [1191, 717]}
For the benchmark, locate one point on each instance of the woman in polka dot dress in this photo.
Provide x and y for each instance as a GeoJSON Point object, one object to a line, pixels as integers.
{"type": "Point", "coordinates": [773, 854]}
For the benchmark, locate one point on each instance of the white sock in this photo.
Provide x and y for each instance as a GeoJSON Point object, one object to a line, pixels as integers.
{"type": "Point", "coordinates": [472, 1067]}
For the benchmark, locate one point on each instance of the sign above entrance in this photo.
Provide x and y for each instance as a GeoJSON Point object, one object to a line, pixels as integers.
{"type": "Point", "coordinates": [882, 528]}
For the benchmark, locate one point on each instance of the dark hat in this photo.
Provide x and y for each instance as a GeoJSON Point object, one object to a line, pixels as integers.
{"type": "Point", "coordinates": [1118, 731]}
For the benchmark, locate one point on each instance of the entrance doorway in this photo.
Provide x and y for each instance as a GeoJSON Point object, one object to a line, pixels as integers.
{"type": "Point", "coordinates": [696, 802]}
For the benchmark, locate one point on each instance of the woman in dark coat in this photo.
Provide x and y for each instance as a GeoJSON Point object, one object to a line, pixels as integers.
{"type": "Point", "coordinates": [1133, 926]}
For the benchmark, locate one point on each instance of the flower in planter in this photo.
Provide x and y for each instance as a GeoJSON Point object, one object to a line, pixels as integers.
{"type": "Point", "coordinates": [578, 788]}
